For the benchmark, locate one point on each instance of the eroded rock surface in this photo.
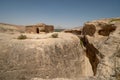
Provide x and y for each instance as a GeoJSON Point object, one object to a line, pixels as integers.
{"type": "Point", "coordinates": [75, 31]}
{"type": "Point", "coordinates": [41, 56]}
{"type": "Point", "coordinates": [94, 54]}
{"type": "Point", "coordinates": [105, 38]}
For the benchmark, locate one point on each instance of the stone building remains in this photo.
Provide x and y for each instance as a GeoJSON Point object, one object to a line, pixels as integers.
{"type": "Point", "coordinates": [39, 28]}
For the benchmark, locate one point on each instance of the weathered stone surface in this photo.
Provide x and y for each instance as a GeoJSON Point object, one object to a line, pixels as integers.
{"type": "Point", "coordinates": [89, 29]}
{"type": "Point", "coordinates": [103, 36]}
{"type": "Point", "coordinates": [95, 55]}
{"type": "Point", "coordinates": [74, 31]}
{"type": "Point", "coordinates": [42, 57]}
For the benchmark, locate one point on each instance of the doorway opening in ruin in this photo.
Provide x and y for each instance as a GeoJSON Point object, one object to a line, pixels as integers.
{"type": "Point", "coordinates": [37, 30]}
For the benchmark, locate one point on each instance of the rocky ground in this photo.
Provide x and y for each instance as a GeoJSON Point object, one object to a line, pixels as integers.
{"type": "Point", "coordinates": [42, 56]}
{"type": "Point", "coordinates": [90, 53]}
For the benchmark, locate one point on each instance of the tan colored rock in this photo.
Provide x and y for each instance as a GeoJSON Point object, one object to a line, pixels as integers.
{"type": "Point", "coordinates": [77, 31]}
{"type": "Point", "coordinates": [93, 55]}
{"type": "Point", "coordinates": [42, 56]}
{"type": "Point", "coordinates": [103, 36]}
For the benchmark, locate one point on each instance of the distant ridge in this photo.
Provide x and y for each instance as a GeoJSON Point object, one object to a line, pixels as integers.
{"type": "Point", "coordinates": [6, 27]}
{"type": "Point", "coordinates": [11, 24]}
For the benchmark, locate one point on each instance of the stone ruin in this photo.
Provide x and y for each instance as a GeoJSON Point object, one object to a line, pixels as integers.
{"type": "Point", "coordinates": [39, 28]}
{"type": "Point", "coordinates": [74, 31]}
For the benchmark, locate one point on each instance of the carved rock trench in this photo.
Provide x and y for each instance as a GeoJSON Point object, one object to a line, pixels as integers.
{"type": "Point", "coordinates": [91, 53]}
{"type": "Point", "coordinates": [94, 36]}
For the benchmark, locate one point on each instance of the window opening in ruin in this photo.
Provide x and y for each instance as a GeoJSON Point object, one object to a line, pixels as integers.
{"type": "Point", "coordinates": [37, 30]}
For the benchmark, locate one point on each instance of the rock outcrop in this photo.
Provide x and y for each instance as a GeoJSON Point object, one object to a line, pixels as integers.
{"type": "Point", "coordinates": [74, 31]}
{"type": "Point", "coordinates": [102, 42]}
{"type": "Point", "coordinates": [41, 56]}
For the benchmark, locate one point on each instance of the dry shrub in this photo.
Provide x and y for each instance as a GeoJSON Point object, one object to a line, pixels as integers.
{"type": "Point", "coordinates": [54, 35]}
{"type": "Point", "coordinates": [22, 37]}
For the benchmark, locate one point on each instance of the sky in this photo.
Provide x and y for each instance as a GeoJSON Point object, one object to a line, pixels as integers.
{"type": "Point", "coordinates": [60, 13]}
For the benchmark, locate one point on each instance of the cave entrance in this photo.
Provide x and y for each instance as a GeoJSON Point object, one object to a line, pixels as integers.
{"type": "Point", "coordinates": [37, 30]}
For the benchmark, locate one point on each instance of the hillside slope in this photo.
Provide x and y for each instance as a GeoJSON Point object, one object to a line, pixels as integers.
{"type": "Point", "coordinates": [10, 28]}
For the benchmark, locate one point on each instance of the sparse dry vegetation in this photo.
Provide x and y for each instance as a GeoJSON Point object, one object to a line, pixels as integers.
{"type": "Point", "coordinates": [114, 20]}
{"type": "Point", "coordinates": [54, 35]}
{"type": "Point", "coordinates": [81, 43]}
{"type": "Point", "coordinates": [22, 37]}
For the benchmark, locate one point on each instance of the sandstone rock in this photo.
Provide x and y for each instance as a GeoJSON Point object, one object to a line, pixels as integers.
{"type": "Point", "coordinates": [74, 31]}
{"type": "Point", "coordinates": [94, 54]}
{"type": "Point", "coordinates": [104, 37]}
{"type": "Point", "coordinates": [42, 57]}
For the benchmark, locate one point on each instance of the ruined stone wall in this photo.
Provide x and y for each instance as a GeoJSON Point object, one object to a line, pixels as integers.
{"type": "Point", "coordinates": [30, 29]}
{"type": "Point", "coordinates": [39, 28]}
{"type": "Point", "coordinates": [74, 31]}
{"type": "Point", "coordinates": [49, 28]}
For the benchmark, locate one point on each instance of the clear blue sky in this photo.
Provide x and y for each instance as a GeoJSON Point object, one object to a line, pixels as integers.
{"type": "Point", "coordinates": [64, 13]}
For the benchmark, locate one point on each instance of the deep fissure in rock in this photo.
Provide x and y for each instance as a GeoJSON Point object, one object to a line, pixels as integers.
{"type": "Point", "coordinates": [91, 53]}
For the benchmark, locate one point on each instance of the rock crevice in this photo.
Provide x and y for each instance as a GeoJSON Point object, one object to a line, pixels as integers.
{"type": "Point", "coordinates": [91, 53]}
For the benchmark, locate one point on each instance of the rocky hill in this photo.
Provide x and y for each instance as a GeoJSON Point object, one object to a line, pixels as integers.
{"type": "Point", "coordinates": [94, 54]}
{"type": "Point", "coordinates": [10, 28]}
